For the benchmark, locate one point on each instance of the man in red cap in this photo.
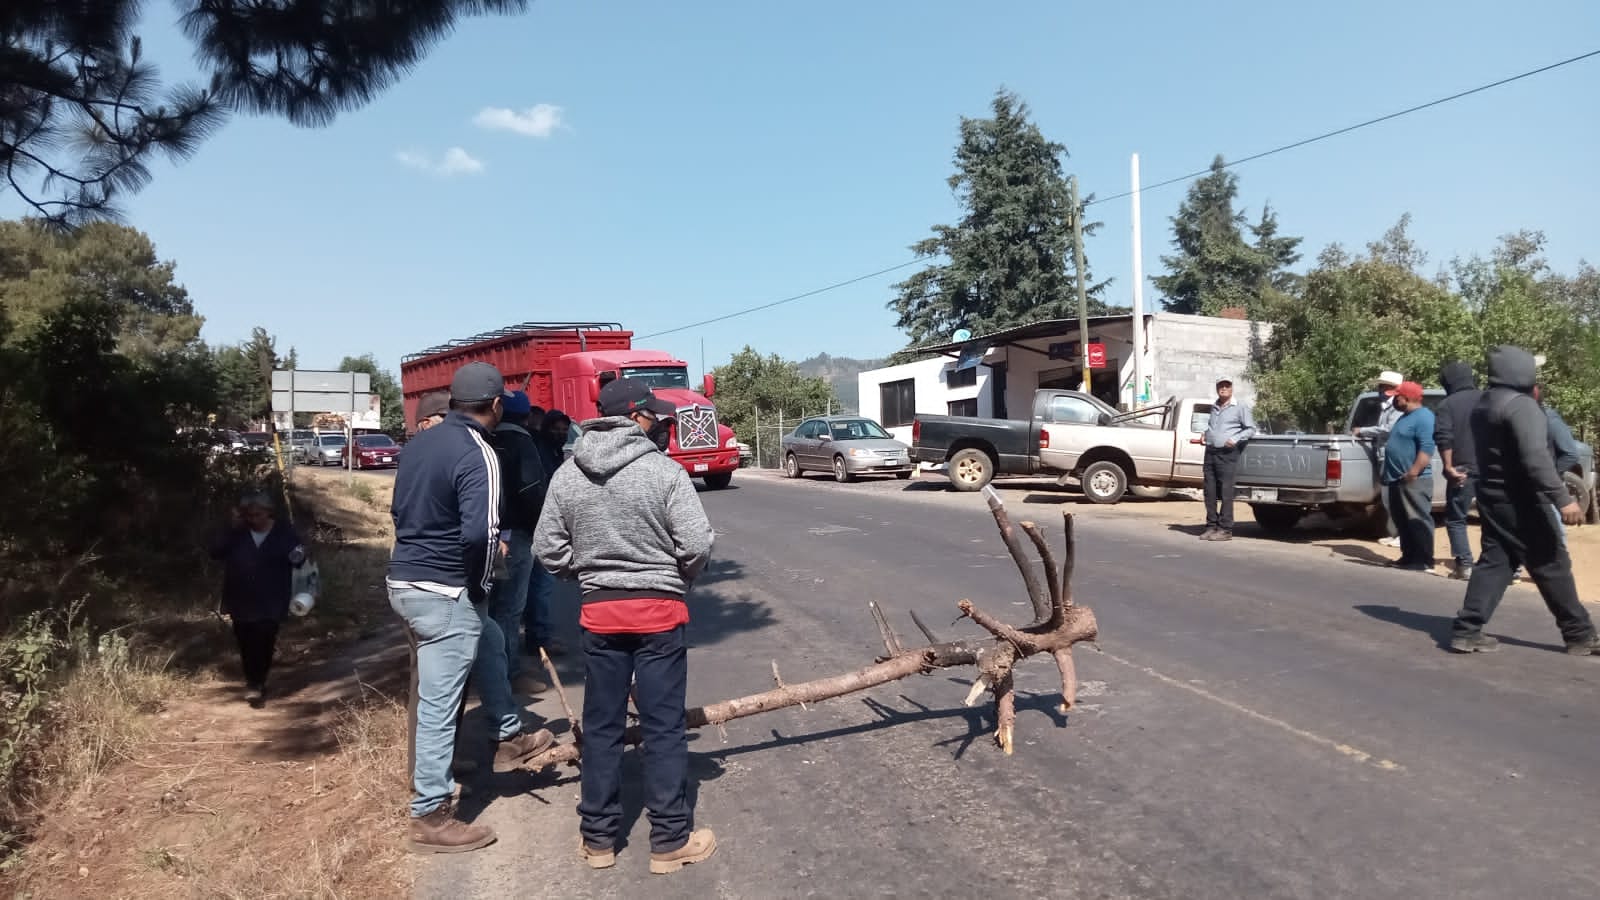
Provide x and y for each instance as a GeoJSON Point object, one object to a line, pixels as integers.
{"type": "Point", "coordinates": [1408, 477]}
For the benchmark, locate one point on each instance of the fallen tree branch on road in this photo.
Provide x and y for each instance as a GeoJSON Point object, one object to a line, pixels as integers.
{"type": "Point", "coordinates": [1058, 624]}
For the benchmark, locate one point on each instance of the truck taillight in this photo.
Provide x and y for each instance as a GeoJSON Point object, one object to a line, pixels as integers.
{"type": "Point", "coordinates": [1044, 439]}
{"type": "Point", "coordinates": [1335, 470]}
{"type": "Point", "coordinates": [916, 430]}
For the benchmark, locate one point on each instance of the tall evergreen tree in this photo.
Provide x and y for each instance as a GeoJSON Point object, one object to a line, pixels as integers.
{"type": "Point", "coordinates": [1009, 260]}
{"type": "Point", "coordinates": [1215, 268]}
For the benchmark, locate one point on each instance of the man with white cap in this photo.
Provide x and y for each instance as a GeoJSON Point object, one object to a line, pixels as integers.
{"type": "Point", "coordinates": [1388, 381]}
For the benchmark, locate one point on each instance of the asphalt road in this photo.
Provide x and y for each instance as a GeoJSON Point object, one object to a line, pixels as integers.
{"type": "Point", "coordinates": [1263, 722]}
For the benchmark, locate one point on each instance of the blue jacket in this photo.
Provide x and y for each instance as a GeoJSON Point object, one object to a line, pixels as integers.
{"type": "Point", "coordinates": [447, 508]}
{"type": "Point", "coordinates": [257, 581]}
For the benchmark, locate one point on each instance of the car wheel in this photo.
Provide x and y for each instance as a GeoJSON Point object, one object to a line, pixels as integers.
{"type": "Point", "coordinates": [719, 481]}
{"type": "Point", "coordinates": [841, 472]}
{"type": "Point", "coordinates": [1104, 482]}
{"type": "Point", "coordinates": [791, 466]}
{"type": "Point", "coordinates": [1579, 492]}
{"type": "Point", "coordinates": [971, 469]}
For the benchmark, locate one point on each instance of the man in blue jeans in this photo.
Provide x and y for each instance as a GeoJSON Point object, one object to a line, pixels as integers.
{"type": "Point", "coordinates": [1452, 433]}
{"type": "Point", "coordinates": [446, 525]}
{"type": "Point", "coordinates": [624, 520]}
{"type": "Point", "coordinates": [523, 483]}
{"type": "Point", "coordinates": [1408, 477]}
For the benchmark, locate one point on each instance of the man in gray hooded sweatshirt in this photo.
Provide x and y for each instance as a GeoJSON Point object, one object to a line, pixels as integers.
{"type": "Point", "coordinates": [624, 520]}
{"type": "Point", "coordinates": [1521, 502]}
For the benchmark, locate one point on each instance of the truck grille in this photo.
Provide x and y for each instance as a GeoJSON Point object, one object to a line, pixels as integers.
{"type": "Point", "coordinates": [697, 428]}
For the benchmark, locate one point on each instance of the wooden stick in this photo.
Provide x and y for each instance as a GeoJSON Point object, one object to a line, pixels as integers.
{"type": "Point", "coordinates": [555, 681]}
{"type": "Point", "coordinates": [1030, 577]}
{"type": "Point", "coordinates": [1051, 574]}
{"type": "Point", "coordinates": [891, 642]}
{"type": "Point", "coordinates": [923, 627]}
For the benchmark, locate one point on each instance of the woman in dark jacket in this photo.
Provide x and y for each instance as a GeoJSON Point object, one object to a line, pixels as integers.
{"type": "Point", "coordinates": [259, 556]}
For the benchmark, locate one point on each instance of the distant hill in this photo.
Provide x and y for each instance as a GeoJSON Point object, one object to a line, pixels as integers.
{"type": "Point", "coordinates": [841, 372]}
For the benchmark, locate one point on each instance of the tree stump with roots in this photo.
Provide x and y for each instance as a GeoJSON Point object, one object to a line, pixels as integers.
{"type": "Point", "coordinates": [1058, 623]}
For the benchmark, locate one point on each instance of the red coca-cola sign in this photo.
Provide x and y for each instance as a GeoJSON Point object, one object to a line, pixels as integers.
{"type": "Point", "coordinates": [1097, 356]}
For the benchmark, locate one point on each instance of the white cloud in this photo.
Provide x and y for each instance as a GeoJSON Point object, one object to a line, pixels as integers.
{"type": "Point", "coordinates": [455, 161]}
{"type": "Point", "coordinates": [539, 121]}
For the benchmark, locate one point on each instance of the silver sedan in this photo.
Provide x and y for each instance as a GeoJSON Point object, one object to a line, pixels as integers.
{"type": "Point", "coordinates": [847, 446]}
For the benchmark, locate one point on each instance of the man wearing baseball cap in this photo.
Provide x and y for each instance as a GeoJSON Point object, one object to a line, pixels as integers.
{"type": "Point", "coordinates": [431, 409]}
{"type": "Point", "coordinates": [1388, 381]}
{"type": "Point", "coordinates": [1408, 477]}
{"type": "Point", "coordinates": [446, 524]}
{"type": "Point", "coordinates": [624, 520]}
{"type": "Point", "coordinates": [1229, 427]}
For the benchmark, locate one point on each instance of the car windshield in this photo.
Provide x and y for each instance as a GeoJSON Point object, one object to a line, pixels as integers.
{"type": "Point", "coordinates": [375, 440]}
{"type": "Point", "coordinates": [659, 376]}
{"type": "Point", "coordinates": [857, 430]}
{"type": "Point", "coordinates": [304, 436]}
{"type": "Point", "coordinates": [331, 440]}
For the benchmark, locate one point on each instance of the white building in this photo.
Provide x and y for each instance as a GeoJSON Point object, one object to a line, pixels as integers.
{"type": "Point", "coordinates": [995, 375]}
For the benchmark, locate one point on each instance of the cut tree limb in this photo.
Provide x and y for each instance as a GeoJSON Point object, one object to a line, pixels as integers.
{"type": "Point", "coordinates": [1058, 625]}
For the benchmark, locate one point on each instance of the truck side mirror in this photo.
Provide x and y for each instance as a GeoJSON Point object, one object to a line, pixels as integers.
{"type": "Point", "coordinates": [710, 386]}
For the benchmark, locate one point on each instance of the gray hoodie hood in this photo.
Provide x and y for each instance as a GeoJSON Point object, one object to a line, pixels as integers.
{"type": "Point", "coordinates": [610, 445]}
{"type": "Point", "coordinates": [1512, 367]}
{"type": "Point", "coordinates": [1457, 376]}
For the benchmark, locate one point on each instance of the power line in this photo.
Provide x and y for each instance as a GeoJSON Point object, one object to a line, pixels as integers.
{"type": "Point", "coordinates": [1161, 184]}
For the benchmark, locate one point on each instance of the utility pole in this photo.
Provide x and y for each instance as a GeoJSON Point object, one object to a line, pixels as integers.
{"type": "Point", "coordinates": [1083, 296]}
{"type": "Point", "coordinates": [1138, 294]}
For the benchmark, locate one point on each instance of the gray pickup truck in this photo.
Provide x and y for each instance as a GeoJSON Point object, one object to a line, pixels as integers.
{"type": "Point", "coordinates": [1284, 477]}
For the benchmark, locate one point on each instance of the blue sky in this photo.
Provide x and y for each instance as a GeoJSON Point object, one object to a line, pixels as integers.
{"type": "Point", "coordinates": [657, 164]}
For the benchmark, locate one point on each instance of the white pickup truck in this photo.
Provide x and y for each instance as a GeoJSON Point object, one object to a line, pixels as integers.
{"type": "Point", "coordinates": [1148, 450]}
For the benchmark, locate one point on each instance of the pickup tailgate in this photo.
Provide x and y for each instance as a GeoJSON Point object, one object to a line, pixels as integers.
{"type": "Point", "coordinates": [1287, 461]}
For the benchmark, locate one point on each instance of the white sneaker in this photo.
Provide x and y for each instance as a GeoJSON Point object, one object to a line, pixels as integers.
{"type": "Point", "coordinates": [1390, 542]}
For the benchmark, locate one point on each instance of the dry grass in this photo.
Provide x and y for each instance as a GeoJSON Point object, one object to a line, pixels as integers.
{"type": "Point", "coordinates": [162, 783]}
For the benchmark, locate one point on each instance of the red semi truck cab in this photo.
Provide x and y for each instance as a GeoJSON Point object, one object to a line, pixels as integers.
{"type": "Point", "coordinates": [562, 365]}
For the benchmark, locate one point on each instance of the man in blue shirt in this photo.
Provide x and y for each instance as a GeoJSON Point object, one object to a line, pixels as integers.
{"type": "Point", "coordinates": [1408, 477]}
{"type": "Point", "coordinates": [1227, 430]}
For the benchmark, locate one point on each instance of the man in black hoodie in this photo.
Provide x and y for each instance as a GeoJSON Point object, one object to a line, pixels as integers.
{"type": "Point", "coordinates": [1452, 433]}
{"type": "Point", "coordinates": [1520, 498]}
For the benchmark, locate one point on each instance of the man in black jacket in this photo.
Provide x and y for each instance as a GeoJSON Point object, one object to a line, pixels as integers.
{"type": "Point", "coordinates": [1521, 502]}
{"type": "Point", "coordinates": [1452, 433]}
{"type": "Point", "coordinates": [524, 477]}
{"type": "Point", "coordinates": [446, 538]}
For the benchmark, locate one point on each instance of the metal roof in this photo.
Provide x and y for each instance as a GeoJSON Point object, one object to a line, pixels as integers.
{"type": "Point", "coordinates": [1040, 329]}
{"type": "Point", "coordinates": [513, 331]}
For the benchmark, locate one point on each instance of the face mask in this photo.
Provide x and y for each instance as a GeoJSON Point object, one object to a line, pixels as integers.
{"type": "Point", "coordinates": [660, 433]}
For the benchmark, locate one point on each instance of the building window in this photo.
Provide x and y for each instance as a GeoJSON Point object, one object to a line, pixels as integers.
{"type": "Point", "coordinates": [968, 407]}
{"type": "Point", "coordinates": [897, 403]}
{"type": "Point", "coordinates": [967, 377]}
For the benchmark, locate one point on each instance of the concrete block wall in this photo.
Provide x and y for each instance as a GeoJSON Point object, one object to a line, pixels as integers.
{"type": "Point", "coordinates": [1192, 352]}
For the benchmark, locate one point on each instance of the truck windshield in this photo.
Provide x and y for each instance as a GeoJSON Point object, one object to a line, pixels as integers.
{"type": "Point", "coordinates": [659, 376]}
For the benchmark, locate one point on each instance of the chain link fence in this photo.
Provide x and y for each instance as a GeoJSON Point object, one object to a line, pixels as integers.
{"type": "Point", "coordinates": [766, 438]}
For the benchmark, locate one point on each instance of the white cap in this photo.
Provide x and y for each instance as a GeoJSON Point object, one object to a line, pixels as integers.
{"type": "Point", "coordinates": [302, 603]}
{"type": "Point", "coordinates": [1391, 377]}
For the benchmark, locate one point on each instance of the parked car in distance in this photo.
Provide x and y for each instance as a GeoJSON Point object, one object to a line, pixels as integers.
{"type": "Point", "coordinates": [847, 446]}
{"type": "Point", "coordinates": [373, 451]}
{"type": "Point", "coordinates": [746, 455]}
{"type": "Point", "coordinates": [299, 443]}
{"type": "Point", "coordinates": [328, 451]}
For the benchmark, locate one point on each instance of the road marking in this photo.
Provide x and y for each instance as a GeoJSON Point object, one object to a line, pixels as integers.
{"type": "Point", "coordinates": [1340, 747]}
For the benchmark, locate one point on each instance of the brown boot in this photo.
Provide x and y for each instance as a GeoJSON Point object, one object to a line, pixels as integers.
{"type": "Point", "coordinates": [701, 844]}
{"type": "Point", "coordinates": [514, 751]}
{"type": "Point", "coordinates": [441, 832]}
{"type": "Point", "coordinates": [596, 857]}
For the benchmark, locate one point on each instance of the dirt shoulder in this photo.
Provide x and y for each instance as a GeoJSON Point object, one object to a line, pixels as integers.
{"type": "Point", "coordinates": [303, 797]}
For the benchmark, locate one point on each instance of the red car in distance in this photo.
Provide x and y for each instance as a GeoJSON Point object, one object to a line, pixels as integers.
{"type": "Point", "coordinates": [374, 451]}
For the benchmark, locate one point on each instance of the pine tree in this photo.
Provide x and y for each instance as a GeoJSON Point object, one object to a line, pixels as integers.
{"type": "Point", "coordinates": [1215, 268]}
{"type": "Point", "coordinates": [1009, 260]}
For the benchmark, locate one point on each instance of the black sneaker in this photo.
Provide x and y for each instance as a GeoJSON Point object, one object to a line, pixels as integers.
{"type": "Point", "coordinates": [1478, 643]}
{"type": "Point", "coordinates": [1591, 647]}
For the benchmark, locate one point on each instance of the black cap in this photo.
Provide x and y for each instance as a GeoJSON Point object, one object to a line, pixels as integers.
{"type": "Point", "coordinates": [477, 382]}
{"type": "Point", "coordinates": [434, 404]}
{"type": "Point", "coordinates": [626, 396]}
